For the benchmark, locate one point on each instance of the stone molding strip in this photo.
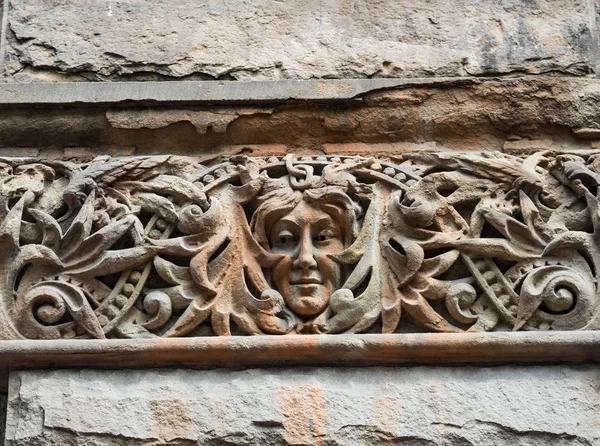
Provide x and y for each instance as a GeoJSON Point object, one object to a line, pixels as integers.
{"type": "Point", "coordinates": [341, 350]}
{"type": "Point", "coordinates": [186, 92]}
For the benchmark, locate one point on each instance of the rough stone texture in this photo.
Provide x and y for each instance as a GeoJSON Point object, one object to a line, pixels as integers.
{"type": "Point", "coordinates": [59, 40]}
{"type": "Point", "coordinates": [305, 406]}
{"type": "Point", "coordinates": [260, 39]}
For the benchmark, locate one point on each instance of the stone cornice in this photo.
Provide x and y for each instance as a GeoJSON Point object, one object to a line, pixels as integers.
{"type": "Point", "coordinates": [155, 93]}
{"type": "Point", "coordinates": [202, 92]}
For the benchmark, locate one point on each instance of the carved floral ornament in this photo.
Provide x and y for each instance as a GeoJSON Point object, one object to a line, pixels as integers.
{"type": "Point", "coordinates": [164, 246]}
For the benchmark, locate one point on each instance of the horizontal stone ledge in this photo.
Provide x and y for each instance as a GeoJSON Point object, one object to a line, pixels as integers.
{"type": "Point", "coordinates": [189, 92]}
{"type": "Point", "coordinates": [348, 350]}
{"type": "Point", "coordinates": [517, 115]}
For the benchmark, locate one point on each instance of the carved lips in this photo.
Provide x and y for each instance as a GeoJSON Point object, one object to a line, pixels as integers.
{"type": "Point", "coordinates": [314, 278]}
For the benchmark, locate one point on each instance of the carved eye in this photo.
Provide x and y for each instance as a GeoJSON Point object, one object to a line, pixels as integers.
{"type": "Point", "coordinates": [285, 238]}
{"type": "Point", "coordinates": [325, 235]}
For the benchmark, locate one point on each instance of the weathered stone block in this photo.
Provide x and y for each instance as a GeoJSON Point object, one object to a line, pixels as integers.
{"type": "Point", "coordinates": [260, 39]}
{"type": "Point", "coordinates": [306, 406]}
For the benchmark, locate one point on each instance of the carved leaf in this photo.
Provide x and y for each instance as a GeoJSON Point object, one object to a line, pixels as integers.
{"type": "Point", "coordinates": [51, 232]}
{"type": "Point", "coordinates": [97, 243]}
{"type": "Point", "coordinates": [173, 184]}
{"type": "Point", "coordinates": [156, 204]}
{"type": "Point", "coordinates": [355, 313]}
{"type": "Point", "coordinates": [80, 228]}
{"type": "Point", "coordinates": [231, 286]}
{"type": "Point", "coordinates": [422, 313]}
{"type": "Point", "coordinates": [110, 262]}
{"type": "Point", "coordinates": [171, 273]}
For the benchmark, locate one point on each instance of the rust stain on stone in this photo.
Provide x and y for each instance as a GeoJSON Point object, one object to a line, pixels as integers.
{"type": "Point", "coordinates": [219, 416]}
{"type": "Point", "coordinates": [171, 417]}
{"type": "Point", "coordinates": [387, 409]}
{"type": "Point", "coordinates": [303, 409]}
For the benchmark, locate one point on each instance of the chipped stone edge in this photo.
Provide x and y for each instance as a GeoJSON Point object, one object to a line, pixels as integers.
{"type": "Point", "coordinates": [189, 92]}
{"type": "Point", "coordinates": [325, 350]}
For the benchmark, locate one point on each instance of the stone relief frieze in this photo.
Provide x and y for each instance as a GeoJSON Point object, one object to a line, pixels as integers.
{"type": "Point", "coordinates": [167, 247]}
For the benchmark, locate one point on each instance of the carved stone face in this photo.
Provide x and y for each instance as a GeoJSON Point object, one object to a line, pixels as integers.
{"type": "Point", "coordinates": [306, 276]}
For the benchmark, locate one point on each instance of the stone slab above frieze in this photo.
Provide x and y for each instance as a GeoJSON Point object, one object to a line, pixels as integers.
{"type": "Point", "coordinates": [428, 242]}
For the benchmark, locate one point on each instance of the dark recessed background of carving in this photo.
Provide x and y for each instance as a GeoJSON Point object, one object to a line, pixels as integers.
{"type": "Point", "coordinates": [164, 246]}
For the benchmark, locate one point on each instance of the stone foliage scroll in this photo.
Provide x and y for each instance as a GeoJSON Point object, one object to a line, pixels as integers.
{"type": "Point", "coordinates": [167, 247]}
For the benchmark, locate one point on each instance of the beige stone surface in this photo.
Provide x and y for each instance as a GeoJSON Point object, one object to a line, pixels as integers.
{"type": "Point", "coordinates": [260, 39]}
{"type": "Point", "coordinates": [418, 406]}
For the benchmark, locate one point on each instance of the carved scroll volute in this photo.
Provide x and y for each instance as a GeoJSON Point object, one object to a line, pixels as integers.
{"type": "Point", "coordinates": [163, 246]}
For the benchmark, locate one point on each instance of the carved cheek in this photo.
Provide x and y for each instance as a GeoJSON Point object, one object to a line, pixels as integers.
{"type": "Point", "coordinates": [281, 272]}
{"type": "Point", "coordinates": [330, 269]}
{"type": "Point", "coordinates": [332, 272]}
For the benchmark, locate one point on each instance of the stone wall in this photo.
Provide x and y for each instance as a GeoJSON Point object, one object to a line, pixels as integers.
{"type": "Point", "coordinates": [269, 40]}
{"type": "Point", "coordinates": [378, 78]}
{"type": "Point", "coordinates": [416, 406]}
{"type": "Point", "coordinates": [512, 116]}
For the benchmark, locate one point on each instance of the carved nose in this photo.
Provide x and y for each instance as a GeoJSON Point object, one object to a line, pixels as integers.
{"type": "Point", "coordinates": [305, 258]}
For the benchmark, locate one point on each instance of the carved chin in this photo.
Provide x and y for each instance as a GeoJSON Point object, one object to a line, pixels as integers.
{"type": "Point", "coordinates": [307, 300]}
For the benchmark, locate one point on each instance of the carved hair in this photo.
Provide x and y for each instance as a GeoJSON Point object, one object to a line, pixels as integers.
{"type": "Point", "coordinates": [278, 198]}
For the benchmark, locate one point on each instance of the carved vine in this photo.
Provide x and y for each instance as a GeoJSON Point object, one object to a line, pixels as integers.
{"type": "Point", "coordinates": [164, 246]}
